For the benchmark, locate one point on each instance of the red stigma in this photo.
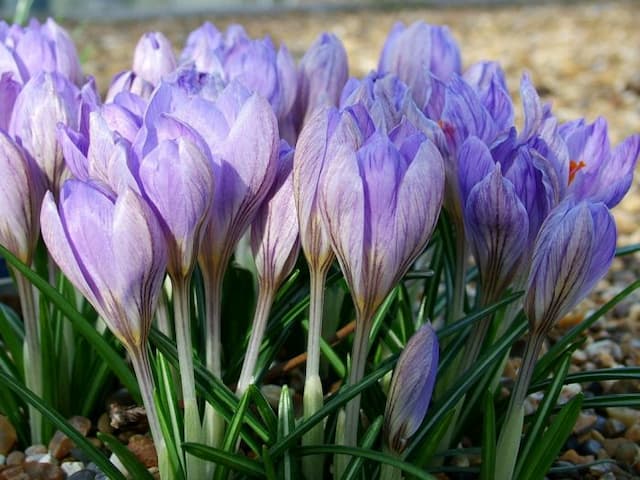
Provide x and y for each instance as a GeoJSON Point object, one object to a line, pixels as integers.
{"type": "Point", "coordinates": [575, 167]}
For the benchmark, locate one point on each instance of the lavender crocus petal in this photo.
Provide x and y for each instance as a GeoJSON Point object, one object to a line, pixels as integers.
{"type": "Point", "coordinates": [482, 74]}
{"type": "Point", "coordinates": [178, 182]}
{"type": "Point", "coordinates": [574, 248]}
{"type": "Point", "coordinates": [45, 101]}
{"type": "Point", "coordinates": [9, 90]}
{"type": "Point", "coordinates": [623, 161]}
{"type": "Point", "coordinates": [21, 193]}
{"type": "Point", "coordinates": [121, 120]}
{"type": "Point", "coordinates": [66, 56]}
{"type": "Point", "coordinates": [474, 163]}
{"type": "Point", "coordinates": [497, 226]}
{"type": "Point", "coordinates": [12, 65]}
{"type": "Point", "coordinates": [36, 51]}
{"type": "Point", "coordinates": [200, 48]}
{"type": "Point", "coordinates": [121, 165]}
{"type": "Point", "coordinates": [74, 147]}
{"type": "Point", "coordinates": [309, 160]}
{"type": "Point", "coordinates": [274, 233]}
{"type": "Point", "coordinates": [532, 108]}
{"type": "Point", "coordinates": [411, 388]}
{"type": "Point", "coordinates": [287, 82]}
{"type": "Point", "coordinates": [130, 82]}
{"type": "Point", "coordinates": [153, 57]}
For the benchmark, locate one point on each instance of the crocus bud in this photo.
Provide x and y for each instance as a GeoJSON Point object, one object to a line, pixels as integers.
{"type": "Point", "coordinates": [379, 197]}
{"type": "Point", "coordinates": [21, 192]}
{"type": "Point", "coordinates": [153, 57]}
{"type": "Point", "coordinates": [112, 250]}
{"type": "Point", "coordinates": [128, 81]}
{"type": "Point", "coordinates": [573, 250]}
{"type": "Point", "coordinates": [419, 52]}
{"type": "Point", "coordinates": [177, 179]}
{"type": "Point", "coordinates": [322, 73]}
{"type": "Point", "coordinates": [46, 100]}
{"type": "Point", "coordinates": [274, 232]}
{"type": "Point", "coordinates": [48, 48]}
{"type": "Point", "coordinates": [596, 172]}
{"type": "Point", "coordinates": [411, 388]}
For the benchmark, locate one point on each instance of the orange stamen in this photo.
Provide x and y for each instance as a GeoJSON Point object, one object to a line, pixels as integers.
{"type": "Point", "coordinates": [575, 167]}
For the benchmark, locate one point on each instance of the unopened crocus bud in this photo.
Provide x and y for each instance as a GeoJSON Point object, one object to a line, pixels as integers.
{"type": "Point", "coordinates": [411, 388]}
{"type": "Point", "coordinates": [418, 53]}
{"type": "Point", "coordinates": [322, 74]}
{"type": "Point", "coordinates": [153, 57]}
{"type": "Point", "coordinates": [112, 250]}
{"type": "Point", "coordinates": [46, 100]}
{"type": "Point", "coordinates": [573, 250]}
{"type": "Point", "coordinates": [21, 192]}
{"type": "Point", "coordinates": [274, 232]}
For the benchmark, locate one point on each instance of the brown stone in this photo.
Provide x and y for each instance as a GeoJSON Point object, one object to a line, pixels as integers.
{"type": "Point", "coordinates": [633, 433]}
{"type": "Point", "coordinates": [574, 457]}
{"type": "Point", "coordinates": [626, 415]}
{"type": "Point", "coordinates": [627, 452]}
{"type": "Point", "coordinates": [104, 424]}
{"type": "Point", "coordinates": [14, 473]}
{"type": "Point", "coordinates": [8, 435]}
{"type": "Point", "coordinates": [43, 471]}
{"type": "Point", "coordinates": [60, 445]}
{"type": "Point", "coordinates": [15, 458]}
{"type": "Point", "coordinates": [584, 423]}
{"type": "Point", "coordinates": [144, 450]}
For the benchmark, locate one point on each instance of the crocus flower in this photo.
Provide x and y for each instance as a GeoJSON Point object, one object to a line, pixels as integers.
{"type": "Point", "coordinates": [153, 57]}
{"type": "Point", "coordinates": [45, 101]}
{"type": "Point", "coordinates": [597, 172]}
{"type": "Point", "coordinates": [574, 249]}
{"type": "Point", "coordinates": [322, 73]}
{"type": "Point", "coordinates": [21, 192]}
{"type": "Point", "coordinates": [112, 250]}
{"type": "Point", "coordinates": [419, 53]}
{"type": "Point", "coordinates": [411, 388]}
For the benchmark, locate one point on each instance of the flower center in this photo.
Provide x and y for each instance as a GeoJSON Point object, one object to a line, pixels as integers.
{"type": "Point", "coordinates": [575, 167]}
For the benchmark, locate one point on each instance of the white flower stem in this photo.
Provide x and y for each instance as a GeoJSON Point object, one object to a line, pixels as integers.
{"type": "Point", "coordinates": [142, 368]}
{"type": "Point", "coordinates": [358, 363]}
{"type": "Point", "coordinates": [511, 432]}
{"type": "Point", "coordinates": [313, 396]}
{"type": "Point", "coordinates": [192, 425]}
{"type": "Point", "coordinates": [260, 318]}
{"type": "Point", "coordinates": [31, 353]}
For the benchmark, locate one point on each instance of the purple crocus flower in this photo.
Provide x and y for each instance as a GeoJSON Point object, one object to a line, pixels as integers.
{"type": "Point", "coordinates": [322, 74]}
{"type": "Point", "coordinates": [112, 249]}
{"type": "Point", "coordinates": [597, 172]}
{"type": "Point", "coordinates": [153, 57]}
{"type": "Point", "coordinates": [21, 192]}
{"type": "Point", "coordinates": [254, 63]}
{"type": "Point", "coordinates": [371, 187]}
{"type": "Point", "coordinates": [418, 54]}
{"type": "Point", "coordinates": [574, 249]}
{"type": "Point", "coordinates": [45, 101]}
{"type": "Point", "coordinates": [411, 388]}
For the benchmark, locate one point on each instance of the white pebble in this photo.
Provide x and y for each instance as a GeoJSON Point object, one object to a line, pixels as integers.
{"type": "Point", "coordinates": [71, 467]}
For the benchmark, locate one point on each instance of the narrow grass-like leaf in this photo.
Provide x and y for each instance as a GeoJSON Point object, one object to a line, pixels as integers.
{"type": "Point", "coordinates": [627, 250]}
{"type": "Point", "coordinates": [232, 433]}
{"type": "Point", "coordinates": [381, 313]}
{"type": "Point", "coordinates": [136, 469]}
{"type": "Point", "coordinates": [600, 375]}
{"type": "Point", "coordinates": [176, 459]}
{"type": "Point", "coordinates": [550, 358]}
{"type": "Point", "coordinates": [488, 467]}
{"type": "Point", "coordinates": [12, 407]}
{"type": "Point", "coordinates": [236, 462]}
{"type": "Point", "coordinates": [546, 451]}
{"type": "Point", "coordinates": [12, 333]}
{"type": "Point", "coordinates": [286, 425]}
{"type": "Point", "coordinates": [366, 454]}
{"type": "Point", "coordinates": [631, 400]}
{"type": "Point", "coordinates": [333, 404]}
{"type": "Point", "coordinates": [264, 409]}
{"type": "Point", "coordinates": [368, 439]}
{"type": "Point", "coordinates": [534, 434]}
{"type": "Point", "coordinates": [269, 468]}
{"type": "Point", "coordinates": [61, 424]}
{"type": "Point", "coordinates": [167, 399]}
{"type": "Point", "coordinates": [84, 328]}
{"type": "Point", "coordinates": [431, 443]}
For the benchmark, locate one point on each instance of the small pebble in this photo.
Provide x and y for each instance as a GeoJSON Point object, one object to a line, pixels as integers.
{"type": "Point", "coordinates": [575, 458]}
{"type": "Point", "coordinates": [590, 447]}
{"type": "Point", "coordinates": [585, 422]}
{"type": "Point", "coordinates": [626, 415]}
{"type": "Point", "coordinates": [14, 473]}
{"type": "Point", "coordinates": [36, 457]}
{"type": "Point", "coordinates": [8, 436]}
{"type": "Point", "coordinates": [35, 450]}
{"type": "Point", "coordinates": [80, 455]}
{"type": "Point", "coordinates": [2, 459]}
{"type": "Point", "coordinates": [84, 474]}
{"type": "Point", "coordinates": [71, 468]}
{"type": "Point", "coordinates": [613, 428]}
{"type": "Point", "coordinates": [43, 471]}
{"type": "Point", "coordinates": [60, 445]}
{"type": "Point", "coordinates": [15, 458]}
{"type": "Point", "coordinates": [144, 450]}
{"type": "Point", "coordinates": [627, 452]}
{"type": "Point", "coordinates": [633, 433]}
{"type": "Point", "coordinates": [104, 424]}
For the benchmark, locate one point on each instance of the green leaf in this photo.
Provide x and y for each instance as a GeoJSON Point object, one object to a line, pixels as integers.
{"type": "Point", "coordinates": [236, 462]}
{"type": "Point", "coordinates": [106, 351]}
{"type": "Point", "coordinates": [232, 433]}
{"type": "Point", "coordinates": [269, 468]}
{"type": "Point", "coordinates": [12, 332]}
{"type": "Point", "coordinates": [364, 453]}
{"type": "Point", "coordinates": [355, 465]}
{"type": "Point", "coordinates": [61, 424]}
{"type": "Point", "coordinates": [601, 375]}
{"type": "Point", "coordinates": [631, 400]}
{"type": "Point", "coordinates": [264, 409]}
{"type": "Point", "coordinates": [546, 451]}
{"type": "Point", "coordinates": [487, 469]}
{"type": "Point", "coordinates": [286, 425]}
{"type": "Point", "coordinates": [129, 460]}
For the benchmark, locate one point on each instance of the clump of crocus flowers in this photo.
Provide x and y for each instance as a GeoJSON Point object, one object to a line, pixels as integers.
{"type": "Point", "coordinates": [188, 153]}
